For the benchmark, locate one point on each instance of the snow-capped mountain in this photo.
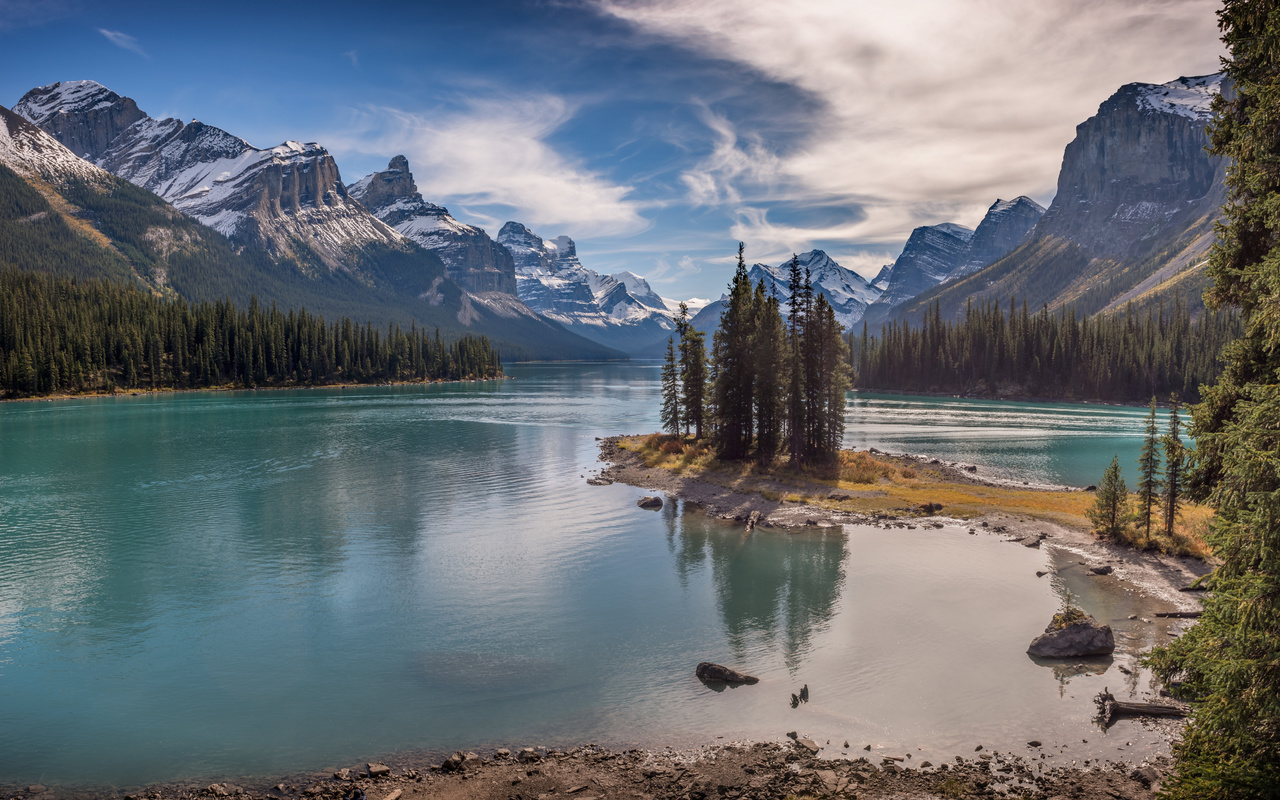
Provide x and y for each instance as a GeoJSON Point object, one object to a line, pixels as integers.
{"type": "Point", "coordinates": [32, 153]}
{"type": "Point", "coordinates": [475, 261]}
{"type": "Point", "coordinates": [848, 292]}
{"type": "Point", "coordinates": [935, 254]}
{"type": "Point", "coordinates": [619, 310]}
{"type": "Point", "coordinates": [290, 198]}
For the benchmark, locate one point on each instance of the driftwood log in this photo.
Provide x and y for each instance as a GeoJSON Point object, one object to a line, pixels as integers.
{"type": "Point", "coordinates": [1179, 614]}
{"type": "Point", "coordinates": [1110, 709]}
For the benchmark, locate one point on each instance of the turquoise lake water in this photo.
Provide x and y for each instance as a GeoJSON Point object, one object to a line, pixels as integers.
{"type": "Point", "coordinates": [257, 583]}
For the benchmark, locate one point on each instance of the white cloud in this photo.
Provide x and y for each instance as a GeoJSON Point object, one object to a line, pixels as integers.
{"type": "Point", "coordinates": [930, 109]}
{"type": "Point", "coordinates": [354, 57]}
{"type": "Point", "coordinates": [493, 152]}
{"type": "Point", "coordinates": [663, 271]}
{"type": "Point", "coordinates": [123, 41]}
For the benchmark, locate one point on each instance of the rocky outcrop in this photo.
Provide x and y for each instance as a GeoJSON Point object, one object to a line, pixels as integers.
{"type": "Point", "coordinates": [1073, 636]}
{"type": "Point", "coordinates": [716, 673]}
{"type": "Point", "coordinates": [619, 310]}
{"type": "Point", "coordinates": [475, 261]}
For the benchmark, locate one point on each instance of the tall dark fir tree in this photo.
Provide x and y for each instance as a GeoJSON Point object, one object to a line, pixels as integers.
{"type": "Point", "coordinates": [1229, 662]}
{"type": "Point", "coordinates": [735, 367]}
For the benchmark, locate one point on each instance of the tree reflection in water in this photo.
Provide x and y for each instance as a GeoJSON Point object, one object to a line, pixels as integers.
{"type": "Point", "coordinates": [774, 587]}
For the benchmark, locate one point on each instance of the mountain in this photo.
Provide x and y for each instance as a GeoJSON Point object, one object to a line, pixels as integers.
{"type": "Point", "coordinates": [473, 260]}
{"type": "Point", "coordinates": [300, 238]}
{"type": "Point", "coordinates": [935, 254]}
{"type": "Point", "coordinates": [287, 199]}
{"type": "Point", "coordinates": [1133, 216]}
{"type": "Point", "coordinates": [881, 281]}
{"type": "Point", "coordinates": [619, 311]}
{"type": "Point", "coordinates": [848, 292]}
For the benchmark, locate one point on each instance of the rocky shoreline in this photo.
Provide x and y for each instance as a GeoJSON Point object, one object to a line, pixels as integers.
{"type": "Point", "coordinates": [1160, 575]}
{"type": "Point", "coordinates": [737, 770]}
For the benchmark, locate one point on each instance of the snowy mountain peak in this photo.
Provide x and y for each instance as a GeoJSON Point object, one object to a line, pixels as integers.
{"type": "Point", "coordinates": [472, 259]}
{"type": "Point", "coordinates": [282, 198]}
{"type": "Point", "coordinates": [43, 102]}
{"type": "Point", "coordinates": [27, 150]}
{"type": "Point", "coordinates": [619, 310]}
{"type": "Point", "coordinates": [1185, 97]}
{"type": "Point", "coordinates": [951, 229]}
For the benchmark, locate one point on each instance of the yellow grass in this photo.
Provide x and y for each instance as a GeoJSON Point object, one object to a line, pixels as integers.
{"type": "Point", "coordinates": [872, 484]}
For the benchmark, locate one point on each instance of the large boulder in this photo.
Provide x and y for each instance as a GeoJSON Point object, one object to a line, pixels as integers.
{"type": "Point", "coordinates": [1072, 634]}
{"type": "Point", "coordinates": [720, 674]}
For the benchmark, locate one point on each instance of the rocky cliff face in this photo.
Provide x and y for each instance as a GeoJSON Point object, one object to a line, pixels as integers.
{"type": "Point", "coordinates": [936, 254]}
{"type": "Point", "coordinates": [289, 199]}
{"type": "Point", "coordinates": [1133, 217]}
{"type": "Point", "coordinates": [1004, 227]}
{"type": "Point", "coordinates": [619, 311]}
{"type": "Point", "coordinates": [474, 261]}
{"type": "Point", "coordinates": [1134, 166]}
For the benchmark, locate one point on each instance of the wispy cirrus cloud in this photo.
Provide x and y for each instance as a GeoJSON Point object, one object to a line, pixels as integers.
{"type": "Point", "coordinates": [123, 41]}
{"type": "Point", "coordinates": [927, 110]}
{"type": "Point", "coordinates": [354, 57]}
{"type": "Point", "coordinates": [491, 156]}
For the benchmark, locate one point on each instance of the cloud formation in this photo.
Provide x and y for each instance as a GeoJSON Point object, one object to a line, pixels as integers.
{"type": "Point", "coordinates": [929, 109]}
{"type": "Point", "coordinates": [124, 41]}
{"type": "Point", "coordinates": [492, 157]}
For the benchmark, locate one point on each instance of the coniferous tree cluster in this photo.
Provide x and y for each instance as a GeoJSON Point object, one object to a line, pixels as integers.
{"type": "Point", "coordinates": [1228, 664]}
{"type": "Point", "coordinates": [1158, 498]}
{"type": "Point", "coordinates": [1119, 357]}
{"type": "Point", "coordinates": [67, 335]}
{"type": "Point", "coordinates": [770, 385]}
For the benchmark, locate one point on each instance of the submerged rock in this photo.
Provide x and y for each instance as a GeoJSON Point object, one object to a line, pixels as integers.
{"type": "Point", "coordinates": [1072, 634]}
{"type": "Point", "coordinates": [708, 671]}
{"type": "Point", "coordinates": [650, 502]}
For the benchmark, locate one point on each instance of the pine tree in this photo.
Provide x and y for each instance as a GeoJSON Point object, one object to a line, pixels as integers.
{"type": "Point", "coordinates": [797, 421]}
{"type": "Point", "coordinates": [770, 362]}
{"type": "Point", "coordinates": [1110, 511]}
{"type": "Point", "coordinates": [1173, 458]}
{"type": "Point", "coordinates": [1229, 662]}
{"type": "Point", "coordinates": [693, 373]}
{"type": "Point", "coordinates": [671, 390]}
{"type": "Point", "coordinates": [734, 386]}
{"type": "Point", "coordinates": [1148, 483]}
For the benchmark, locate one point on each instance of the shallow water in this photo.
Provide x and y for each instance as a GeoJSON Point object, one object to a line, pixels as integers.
{"type": "Point", "coordinates": [253, 583]}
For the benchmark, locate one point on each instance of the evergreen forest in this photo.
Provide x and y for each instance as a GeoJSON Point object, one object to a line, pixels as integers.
{"type": "Point", "coordinates": [67, 335]}
{"type": "Point", "coordinates": [1119, 357]}
{"type": "Point", "coordinates": [770, 387]}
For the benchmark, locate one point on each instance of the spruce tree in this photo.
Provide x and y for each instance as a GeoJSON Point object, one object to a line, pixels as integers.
{"type": "Point", "coordinates": [693, 373]}
{"type": "Point", "coordinates": [797, 421]}
{"type": "Point", "coordinates": [1110, 511]}
{"type": "Point", "coordinates": [735, 368]}
{"type": "Point", "coordinates": [770, 362]}
{"type": "Point", "coordinates": [671, 390]}
{"type": "Point", "coordinates": [1229, 662]}
{"type": "Point", "coordinates": [1148, 470]}
{"type": "Point", "coordinates": [1173, 463]}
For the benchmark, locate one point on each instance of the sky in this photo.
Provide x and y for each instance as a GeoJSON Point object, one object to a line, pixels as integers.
{"type": "Point", "coordinates": [656, 133]}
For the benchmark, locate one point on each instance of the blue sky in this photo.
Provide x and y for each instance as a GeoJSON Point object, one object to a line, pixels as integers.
{"type": "Point", "coordinates": [656, 133]}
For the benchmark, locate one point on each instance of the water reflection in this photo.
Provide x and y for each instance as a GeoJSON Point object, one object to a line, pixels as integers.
{"type": "Point", "coordinates": [773, 588]}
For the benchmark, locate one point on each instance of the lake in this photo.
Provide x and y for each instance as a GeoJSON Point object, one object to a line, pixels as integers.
{"type": "Point", "coordinates": [252, 583]}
